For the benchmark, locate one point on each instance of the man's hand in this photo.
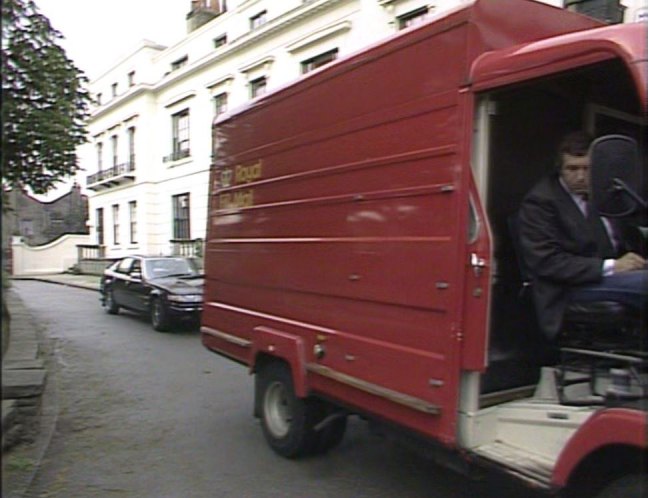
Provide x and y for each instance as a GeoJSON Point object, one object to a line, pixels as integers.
{"type": "Point", "coordinates": [628, 262]}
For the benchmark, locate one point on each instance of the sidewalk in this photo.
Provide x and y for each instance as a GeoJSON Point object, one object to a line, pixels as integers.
{"type": "Point", "coordinates": [24, 371]}
{"type": "Point", "coordinates": [90, 282]}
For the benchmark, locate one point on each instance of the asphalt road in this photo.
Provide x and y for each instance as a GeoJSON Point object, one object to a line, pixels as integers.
{"type": "Point", "coordinates": [146, 414]}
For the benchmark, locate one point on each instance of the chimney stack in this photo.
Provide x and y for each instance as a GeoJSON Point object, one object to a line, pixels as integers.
{"type": "Point", "coordinates": [203, 11]}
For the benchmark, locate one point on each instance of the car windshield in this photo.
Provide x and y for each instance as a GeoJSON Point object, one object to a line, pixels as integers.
{"type": "Point", "coordinates": [167, 267]}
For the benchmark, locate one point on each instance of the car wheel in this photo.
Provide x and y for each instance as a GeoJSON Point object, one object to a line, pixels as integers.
{"type": "Point", "coordinates": [112, 307]}
{"type": "Point", "coordinates": [159, 315]}
{"type": "Point", "coordinates": [287, 421]}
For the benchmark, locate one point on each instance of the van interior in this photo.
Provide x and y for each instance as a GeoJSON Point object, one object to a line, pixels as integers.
{"type": "Point", "coordinates": [521, 126]}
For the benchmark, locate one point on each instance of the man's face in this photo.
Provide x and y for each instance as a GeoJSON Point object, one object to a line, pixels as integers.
{"type": "Point", "coordinates": [575, 172]}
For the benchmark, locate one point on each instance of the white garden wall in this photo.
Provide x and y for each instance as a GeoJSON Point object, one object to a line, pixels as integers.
{"type": "Point", "coordinates": [55, 257]}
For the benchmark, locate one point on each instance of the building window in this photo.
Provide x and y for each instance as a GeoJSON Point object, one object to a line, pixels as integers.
{"type": "Point", "coordinates": [181, 223]}
{"type": "Point", "coordinates": [220, 103]}
{"type": "Point", "coordinates": [318, 61]}
{"type": "Point", "coordinates": [113, 89]}
{"type": "Point", "coordinates": [220, 41]}
{"type": "Point", "coordinates": [132, 216]}
{"type": "Point", "coordinates": [115, 213]}
{"type": "Point", "coordinates": [175, 65]}
{"type": "Point", "coordinates": [180, 123]}
{"type": "Point", "coordinates": [114, 146]}
{"type": "Point", "coordinates": [412, 18]}
{"type": "Point", "coordinates": [608, 11]}
{"type": "Point", "coordinates": [131, 79]}
{"type": "Point", "coordinates": [259, 19]}
{"type": "Point", "coordinates": [219, 6]}
{"type": "Point", "coordinates": [99, 156]}
{"type": "Point", "coordinates": [131, 148]}
{"type": "Point", "coordinates": [100, 226]}
{"type": "Point", "coordinates": [99, 98]}
{"type": "Point", "coordinates": [258, 86]}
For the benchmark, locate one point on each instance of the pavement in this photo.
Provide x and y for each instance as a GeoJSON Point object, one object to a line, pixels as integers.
{"type": "Point", "coordinates": [24, 367]}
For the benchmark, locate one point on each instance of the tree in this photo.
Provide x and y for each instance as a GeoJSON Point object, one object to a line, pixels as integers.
{"type": "Point", "coordinates": [44, 101]}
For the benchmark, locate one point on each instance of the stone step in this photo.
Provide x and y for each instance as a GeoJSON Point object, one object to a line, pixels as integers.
{"type": "Point", "coordinates": [23, 364]}
{"type": "Point", "coordinates": [22, 383]}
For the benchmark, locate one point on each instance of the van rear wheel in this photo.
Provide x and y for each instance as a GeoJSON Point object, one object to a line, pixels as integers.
{"type": "Point", "coordinates": [287, 421]}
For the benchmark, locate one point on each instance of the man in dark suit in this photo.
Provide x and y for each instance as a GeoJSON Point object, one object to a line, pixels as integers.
{"type": "Point", "coordinates": [574, 254]}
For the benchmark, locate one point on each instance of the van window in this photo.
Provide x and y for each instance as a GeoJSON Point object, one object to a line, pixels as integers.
{"type": "Point", "coordinates": [473, 222]}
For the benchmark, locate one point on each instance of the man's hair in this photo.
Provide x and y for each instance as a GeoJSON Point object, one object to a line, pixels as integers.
{"type": "Point", "coordinates": [576, 143]}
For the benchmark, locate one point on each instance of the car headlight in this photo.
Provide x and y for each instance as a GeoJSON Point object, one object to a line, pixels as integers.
{"type": "Point", "coordinates": [185, 298]}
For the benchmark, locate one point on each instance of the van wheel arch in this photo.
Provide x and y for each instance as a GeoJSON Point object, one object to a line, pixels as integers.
{"type": "Point", "coordinates": [598, 473]}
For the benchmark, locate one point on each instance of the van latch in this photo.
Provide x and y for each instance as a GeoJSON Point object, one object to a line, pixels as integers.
{"type": "Point", "coordinates": [477, 263]}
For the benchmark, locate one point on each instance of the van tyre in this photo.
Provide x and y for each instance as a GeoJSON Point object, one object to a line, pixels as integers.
{"type": "Point", "coordinates": [159, 315]}
{"type": "Point", "coordinates": [630, 486]}
{"type": "Point", "coordinates": [287, 421]}
{"type": "Point", "coordinates": [332, 434]}
{"type": "Point", "coordinates": [112, 308]}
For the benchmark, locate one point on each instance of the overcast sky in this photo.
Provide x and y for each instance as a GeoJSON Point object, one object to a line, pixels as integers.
{"type": "Point", "coordinates": [100, 32]}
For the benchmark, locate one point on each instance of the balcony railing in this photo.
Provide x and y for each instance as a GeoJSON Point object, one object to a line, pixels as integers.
{"type": "Point", "coordinates": [191, 248]}
{"type": "Point", "coordinates": [117, 175]}
{"type": "Point", "coordinates": [177, 155]}
{"type": "Point", "coordinates": [90, 251]}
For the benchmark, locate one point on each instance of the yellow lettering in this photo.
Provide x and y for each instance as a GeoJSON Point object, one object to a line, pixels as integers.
{"type": "Point", "coordinates": [244, 198]}
{"type": "Point", "coordinates": [247, 174]}
{"type": "Point", "coordinates": [240, 199]}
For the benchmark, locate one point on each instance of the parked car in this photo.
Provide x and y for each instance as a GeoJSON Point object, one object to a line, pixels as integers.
{"type": "Point", "coordinates": [168, 288]}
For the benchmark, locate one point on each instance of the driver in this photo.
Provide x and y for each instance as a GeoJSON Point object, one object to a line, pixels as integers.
{"type": "Point", "coordinates": [573, 253]}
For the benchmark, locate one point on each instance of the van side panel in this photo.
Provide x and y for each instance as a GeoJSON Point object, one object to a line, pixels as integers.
{"type": "Point", "coordinates": [338, 225]}
{"type": "Point", "coordinates": [338, 217]}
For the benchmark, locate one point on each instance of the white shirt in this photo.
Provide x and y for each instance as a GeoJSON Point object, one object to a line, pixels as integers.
{"type": "Point", "coordinates": [608, 264]}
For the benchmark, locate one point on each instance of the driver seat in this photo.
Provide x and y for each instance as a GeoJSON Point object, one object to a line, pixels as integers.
{"type": "Point", "coordinates": [584, 323]}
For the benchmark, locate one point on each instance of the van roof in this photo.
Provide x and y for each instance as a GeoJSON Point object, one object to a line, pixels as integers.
{"type": "Point", "coordinates": [493, 25]}
{"type": "Point", "coordinates": [524, 61]}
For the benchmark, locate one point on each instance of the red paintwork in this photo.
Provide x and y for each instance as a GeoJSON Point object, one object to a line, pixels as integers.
{"type": "Point", "coordinates": [338, 216]}
{"type": "Point", "coordinates": [616, 426]}
{"type": "Point", "coordinates": [527, 61]}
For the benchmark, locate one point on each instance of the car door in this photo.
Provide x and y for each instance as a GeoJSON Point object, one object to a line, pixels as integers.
{"type": "Point", "coordinates": [120, 278]}
{"type": "Point", "coordinates": [135, 287]}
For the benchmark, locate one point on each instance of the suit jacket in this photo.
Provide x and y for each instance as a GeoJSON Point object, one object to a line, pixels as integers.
{"type": "Point", "coordinates": [561, 247]}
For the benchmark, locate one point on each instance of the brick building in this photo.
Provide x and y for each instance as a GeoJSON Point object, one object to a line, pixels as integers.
{"type": "Point", "coordinates": [39, 222]}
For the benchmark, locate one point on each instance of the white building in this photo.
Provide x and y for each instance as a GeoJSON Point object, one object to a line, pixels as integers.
{"type": "Point", "coordinates": [150, 133]}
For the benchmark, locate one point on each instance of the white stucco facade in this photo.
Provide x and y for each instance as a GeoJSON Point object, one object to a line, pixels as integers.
{"type": "Point", "coordinates": [150, 136]}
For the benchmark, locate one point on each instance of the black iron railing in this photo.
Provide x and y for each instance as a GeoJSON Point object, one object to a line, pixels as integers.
{"type": "Point", "coordinates": [177, 155]}
{"type": "Point", "coordinates": [108, 174]}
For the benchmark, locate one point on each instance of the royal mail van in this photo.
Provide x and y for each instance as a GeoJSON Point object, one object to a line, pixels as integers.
{"type": "Point", "coordinates": [360, 259]}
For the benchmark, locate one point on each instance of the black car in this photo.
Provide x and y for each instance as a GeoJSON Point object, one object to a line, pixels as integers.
{"type": "Point", "coordinates": [167, 288]}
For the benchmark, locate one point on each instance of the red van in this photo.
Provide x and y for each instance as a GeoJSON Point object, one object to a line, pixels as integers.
{"type": "Point", "coordinates": [359, 258]}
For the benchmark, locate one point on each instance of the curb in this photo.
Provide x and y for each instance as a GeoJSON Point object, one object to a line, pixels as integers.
{"type": "Point", "coordinates": [23, 375]}
{"type": "Point", "coordinates": [24, 371]}
{"type": "Point", "coordinates": [51, 280]}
